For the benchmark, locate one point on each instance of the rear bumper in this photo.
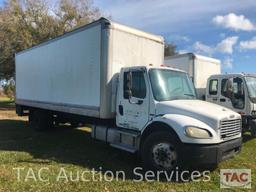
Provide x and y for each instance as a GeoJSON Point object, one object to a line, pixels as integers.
{"type": "Point", "coordinates": [197, 155]}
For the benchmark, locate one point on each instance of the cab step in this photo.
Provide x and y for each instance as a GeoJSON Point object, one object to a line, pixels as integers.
{"type": "Point", "coordinates": [119, 138]}
{"type": "Point", "coordinates": [124, 147]}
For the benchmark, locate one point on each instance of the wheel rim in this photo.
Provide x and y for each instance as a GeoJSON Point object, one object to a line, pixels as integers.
{"type": "Point", "coordinates": [164, 156]}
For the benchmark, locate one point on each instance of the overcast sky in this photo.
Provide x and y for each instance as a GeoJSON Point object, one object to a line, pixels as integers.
{"type": "Point", "coordinates": [224, 29]}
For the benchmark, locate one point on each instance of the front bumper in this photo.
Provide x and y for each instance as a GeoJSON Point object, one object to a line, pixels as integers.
{"type": "Point", "coordinates": [200, 155]}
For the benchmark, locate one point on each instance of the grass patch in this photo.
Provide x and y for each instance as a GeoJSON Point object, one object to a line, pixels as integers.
{"type": "Point", "coordinates": [74, 150]}
{"type": "Point", "coordinates": [6, 103]}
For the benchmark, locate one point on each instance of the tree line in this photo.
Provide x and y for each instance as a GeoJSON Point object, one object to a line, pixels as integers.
{"type": "Point", "coordinates": [25, 23]}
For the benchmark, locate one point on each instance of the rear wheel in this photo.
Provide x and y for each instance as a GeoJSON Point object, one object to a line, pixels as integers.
{"type": "Point", "coordinates": [74, 124]}
{"type": "Point", "coordinates": [40, 120]}
{"type": "Point", "coordinates": [160, 151]}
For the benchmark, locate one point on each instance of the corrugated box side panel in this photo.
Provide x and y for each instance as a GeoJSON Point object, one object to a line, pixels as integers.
{"type": "Point", "coordinates": [182, 62]}
{"type": "Point", "coordinates": [204, 69]}
{"type": "Point", "coordinates": [65, 71]}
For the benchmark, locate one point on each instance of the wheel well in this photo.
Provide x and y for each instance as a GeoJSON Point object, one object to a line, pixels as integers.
{"type": "Point", "coordinates": [154, 127]}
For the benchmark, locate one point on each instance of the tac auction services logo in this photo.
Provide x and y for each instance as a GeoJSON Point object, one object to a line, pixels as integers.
{"type": "Point", "coordinates": [235, 178]}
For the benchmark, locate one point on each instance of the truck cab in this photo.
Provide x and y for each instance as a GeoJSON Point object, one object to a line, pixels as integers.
{"type": "Point", "coordinates": [236, 92]}
{"type": "Point", "coordinates": [173, 127]}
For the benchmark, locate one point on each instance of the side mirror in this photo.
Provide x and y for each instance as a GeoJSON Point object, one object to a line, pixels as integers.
{"type": "Point", "coordinates": [129, 85]}
{"type": "Point", "coordinates": [128, 90]}
{"type": "Point", "coordinates": [128, 93]}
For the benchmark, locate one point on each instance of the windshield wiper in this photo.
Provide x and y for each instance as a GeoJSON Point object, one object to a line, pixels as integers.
{"type": "Point", "coordinates": [191, 95]}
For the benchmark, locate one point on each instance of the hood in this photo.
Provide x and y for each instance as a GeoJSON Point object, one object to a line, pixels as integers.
{"type": "Point", "coordinates": [209, 113]}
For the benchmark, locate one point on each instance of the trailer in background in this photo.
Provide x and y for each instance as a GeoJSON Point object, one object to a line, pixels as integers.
{"type": "Point", "coordinates": [199, 68]}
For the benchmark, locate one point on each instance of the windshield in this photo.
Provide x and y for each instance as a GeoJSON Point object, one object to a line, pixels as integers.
{"type": "Point", "coordinates": [170, 85]}
{"type": "Point", "coordinates": [251, 84]}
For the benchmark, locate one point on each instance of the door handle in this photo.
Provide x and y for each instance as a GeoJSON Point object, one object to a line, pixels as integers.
{"type": "Point", "coordinates": [214, 99]}
{"type": "Point", "coordinates": [222, 100]}
{"type": "Point", "coordinates": [121, 110]}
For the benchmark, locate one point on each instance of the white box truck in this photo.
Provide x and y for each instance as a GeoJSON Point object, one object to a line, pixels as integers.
{"type": "Point", "coordinates": [110, 75]}
{"type": "Point", "coordinates": [199, 68]}
{"type": "Point", "coordinates": [234, 91]}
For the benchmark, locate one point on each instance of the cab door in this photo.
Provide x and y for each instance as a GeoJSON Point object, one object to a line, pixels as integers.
{"type": "Point", "coordinates": [212, 91]}
{"type": "Point", "coordinates": [133, 99]}
{"type": "Point", "coordinates": [232, 94]}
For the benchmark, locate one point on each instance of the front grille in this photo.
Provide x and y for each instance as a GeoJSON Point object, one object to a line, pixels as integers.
{"type": "Point", "coordinates": [230, 128]}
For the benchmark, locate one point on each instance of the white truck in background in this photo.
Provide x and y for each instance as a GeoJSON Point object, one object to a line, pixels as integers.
{"type": "Point", "coordinates": [234, 91]}
{"type": "Point", "coordinates": [199, 68]}
{"type": "Point", "coordinates": [110, 76]}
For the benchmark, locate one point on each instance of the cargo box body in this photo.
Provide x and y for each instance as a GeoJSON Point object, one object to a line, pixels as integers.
{"type": "Point", "coordinates": [200, 68]}
{"type": "Point", "coordinates": [77, 72]}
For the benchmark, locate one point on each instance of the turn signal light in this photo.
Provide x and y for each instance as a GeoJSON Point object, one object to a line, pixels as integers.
{"type": "Point", "coordinates": [241, 113]}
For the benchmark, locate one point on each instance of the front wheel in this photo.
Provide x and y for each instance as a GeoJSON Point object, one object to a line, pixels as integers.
{"type": "Point", "coordinates": [160, 151]}
{"type": "Point", "coordinates": [253, 128]}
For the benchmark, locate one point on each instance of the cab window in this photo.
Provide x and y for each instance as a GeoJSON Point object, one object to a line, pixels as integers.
{"type": "Point", "coordinates": [138, 84]}
{"type": "Point", "coordinates": [238, 99]}
{"type": "Point", "coordinates": [213, 90]}
{"type": "Point", "coordinates": [233, 89]}
{"type": "Point", "coordinates": [224, 87]}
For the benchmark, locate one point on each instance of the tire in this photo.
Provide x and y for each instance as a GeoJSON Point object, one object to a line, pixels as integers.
{"type": "Point", "coordinates": [253, 128]}
{"type": "Point", "coordinates": [160, 151]}
{"type": "Point", "coordinates": [30, 117]}
{"type": "Point", "coordinates": [74, 124]}
{"type": "Point", "coordinates": [41, 120]}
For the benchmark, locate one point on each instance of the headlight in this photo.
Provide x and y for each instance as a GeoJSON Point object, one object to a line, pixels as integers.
{"type": "Point", "coordinates": [196, 132]}
{"type": "Point", "coordinates": [253, 113]}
